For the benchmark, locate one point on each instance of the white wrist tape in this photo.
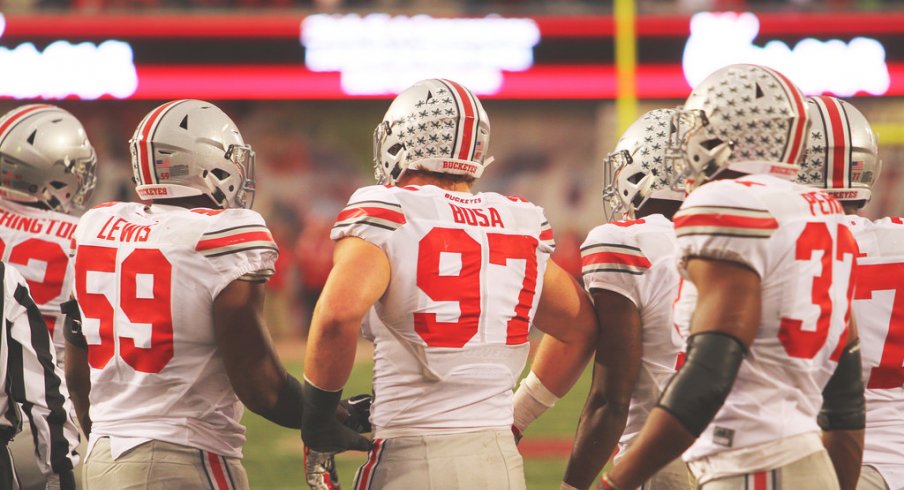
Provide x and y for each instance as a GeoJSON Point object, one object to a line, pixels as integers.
{"type": "Point", "coordinates": [531, 400]}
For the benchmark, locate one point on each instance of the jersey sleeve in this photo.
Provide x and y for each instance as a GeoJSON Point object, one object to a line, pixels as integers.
{"type": "Point", "coordinates": [372, 214]}
{"type": "Point", "coordinates": [238, 245]}
{"type": "Point", "coordinates": [547, 242]}
{"type": "Point", "coordinates": [612, 260]}
{"type": "Point", "coordinates": [724, 220]}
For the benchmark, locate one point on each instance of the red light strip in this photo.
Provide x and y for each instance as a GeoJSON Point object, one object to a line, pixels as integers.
{"type": "Point", "coordinates": [289, 26]}
{"type": "Point", "coordinates": [290, 82]}
{"type": "Point", "coordinates": [136, 26]}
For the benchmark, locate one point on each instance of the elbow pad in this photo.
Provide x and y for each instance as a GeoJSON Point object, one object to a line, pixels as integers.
{"type": "Point", "coordinates": [700, 387]}
{"type": "Point", "coordinates": [843, 404]}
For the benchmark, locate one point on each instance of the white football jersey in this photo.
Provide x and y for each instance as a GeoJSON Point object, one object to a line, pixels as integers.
{"type": "Point", "coordinates": [796, 240]}
{"type": "Point", "coordinates": [451, 340]}
{"type": "Point", "coordinates": [145, 279]}
{"type": "Point", "coordinates": [36, 242]}
{"type": "Point", "coordinates": [879, 312]}
{"type": "Point", "coordinates": [636, 259]}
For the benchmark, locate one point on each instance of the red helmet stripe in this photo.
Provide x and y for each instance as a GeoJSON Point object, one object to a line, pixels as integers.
{"type": "Point", "coordinates": [837, 137]}
{"type": "Point", "coordinates": [470, 112]}
{"type": "Point", "coordinates": [799, 128]}
{"type": "Point", "coordinates": [145, 156]}
{"type": "Point", "coordinates": [18, 115]}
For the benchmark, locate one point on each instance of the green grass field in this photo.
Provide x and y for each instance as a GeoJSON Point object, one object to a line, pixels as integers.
{"type": "Point", "coordinates": [273, 455]}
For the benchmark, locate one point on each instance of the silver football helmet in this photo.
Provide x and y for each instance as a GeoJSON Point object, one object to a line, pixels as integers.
{"type": "Point", "coordinates": [738, 118]}
{"type": "Point", "coordinates": [639, 168]}
{"type": "Point", "coordinates": [436, 125]}
{"type": "Point", "coordinates": [843, 155]}
{"type": "Point", "coordinates": [45, 157]}
{"type": "Point", "coordinates": [192, 148]}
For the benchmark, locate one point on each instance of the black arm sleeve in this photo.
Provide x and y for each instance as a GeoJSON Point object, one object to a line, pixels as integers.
{"type": "Point", "coordinates": [289, 406]}
{"type": "Point", "coordinates": [700, 387]}
{"type": "Point", "coordinates": [843, 404]}
{"type": "Point", "coordinates": [72, 326]}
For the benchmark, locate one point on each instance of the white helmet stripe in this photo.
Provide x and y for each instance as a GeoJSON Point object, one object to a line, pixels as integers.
{"type": "Point", "coordinates": [143, 142]}
{"type": "Point", "coordinates": [18, 116]}
{"type": "Point", "coordinates": [797, 133]}
{"type": "Point", "coordinates": [467, 131]}
{"type": "Point", "coordinates": [838, 134]}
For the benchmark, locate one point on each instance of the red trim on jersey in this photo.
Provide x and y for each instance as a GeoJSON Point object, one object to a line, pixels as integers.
{"type": "Point", "coordinates": [516, 199]}
{"type": "Point", "coordinates": [144, 157]}
{"type": "Point", "coordinates": [839, 141]}
{"type": "Point", "coordinates": [367, 470]}
{"type": "Point", "coordinates": [369, 212]}
{"type": "Point", "coordinates": [251, 236]}
{"type": "Point", "coordinates": [546, 235]}
{"type": "Point", "coordinates": [629, 222]}
{"type": "Point", "coordinates": [897, 219]}
{"type": "Point", "coordinates": [106, 204]}
{"type": "Point", "coordinates": [800, 131]}
{"type": "Point", "coordinates": [725, 220]}
{"type": "Point", "coordinates": [464, 152]}
{"type": "Point", "coordinates": [207, 211]}
{"type": "Point", "coordinates": [18, 116]}
{"type": "Point", "coordinates": [615, 258]}
{"type": "Point", "coordinates": [759, 480]}
{"type": "Point", "coordinates": [216, 467]}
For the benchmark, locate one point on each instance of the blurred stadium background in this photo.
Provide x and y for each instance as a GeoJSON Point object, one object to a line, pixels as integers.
{"type": "Point", "coordinates": [308, 80]}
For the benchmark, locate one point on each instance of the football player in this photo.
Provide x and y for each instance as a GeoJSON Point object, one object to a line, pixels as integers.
{"type": "Point", "coordinates": [47, 170]}
{"type": "Point", "coordinates": [842, 158]}
{"type": "Point", "coordinates": [456, 279]}
{"type": "Point", "coordinates": [629, 270]}
{"type": "Point", "coordinates": [771, 355]}
{"type": "Point", "coordinates": [170, 293]}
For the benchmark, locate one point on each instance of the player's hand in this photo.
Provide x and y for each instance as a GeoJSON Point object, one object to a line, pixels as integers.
{"type": "Point", "coordinates": [357, 409]}
{"type": "Point", "coordinates": [517, 433]}
{"type": "Point", "coordinates": [60, 481]}
{"type": "Point", "coordinates": [320, 470]}
{"type": "Point", "coordinates": [320, 430]}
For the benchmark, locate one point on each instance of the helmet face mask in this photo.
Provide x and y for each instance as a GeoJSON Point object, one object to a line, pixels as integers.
{"type": "Point", "coordinates": [190, 148]}
{"type": "Point", "coordinates": [45, 157]}
{"type": "Point", "coordinates": [639, 168]}
{"type": "Point", "coordinates": [435, 125]}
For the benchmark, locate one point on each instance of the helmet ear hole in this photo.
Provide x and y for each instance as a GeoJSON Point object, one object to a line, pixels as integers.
{"type": "Point", "coordinates": [636, 178]}
{"type": "Point", "coordinates": [710, 143]}
{"type": "Point", "coordinates": [395, 149]}
{"type": "Point", "coordinates": [220, 173]}
{"type": "Point", "coordinates": [56, 184]}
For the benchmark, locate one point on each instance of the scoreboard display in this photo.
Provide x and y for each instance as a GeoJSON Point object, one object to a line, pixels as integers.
{"type": "Point", "coordinates": [324, 56]}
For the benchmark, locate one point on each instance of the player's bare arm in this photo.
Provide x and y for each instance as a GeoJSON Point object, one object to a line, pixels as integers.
{"type": "Point", "coordinates": [615, 371]}
{"type": "Point", "coordinates": [843, 414]}
{"type": "Point", "coordinates": [360, 275]}
{"type": "Point", "coordinates": [566, 313]}
{"type": "Point", "coordinates": [255, 371]}
{"type": "Point", "coordinates": [78, 379]}
{"type": "Point", "coordinates": [723, 328]}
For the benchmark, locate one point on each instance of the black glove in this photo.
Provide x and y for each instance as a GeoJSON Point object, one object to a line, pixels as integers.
{"type": "Point", "coordinates": [358, 408]}
{"type": "Point", "coordinates": [320, 430]}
